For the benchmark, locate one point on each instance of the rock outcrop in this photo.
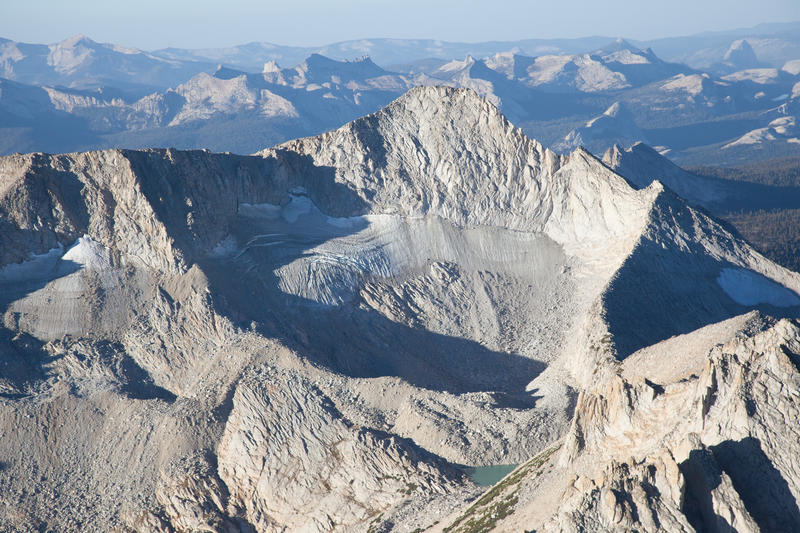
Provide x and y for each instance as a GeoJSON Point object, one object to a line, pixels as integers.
{"type": "Point", "coordinates": [700, 445]}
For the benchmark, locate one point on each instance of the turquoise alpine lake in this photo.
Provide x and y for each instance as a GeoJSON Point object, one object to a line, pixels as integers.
{"type": "Point", "coordinates": [486, 476]}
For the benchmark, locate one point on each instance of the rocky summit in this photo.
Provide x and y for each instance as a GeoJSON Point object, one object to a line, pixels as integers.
{"type": "Point", "coordinates": [334, 333]}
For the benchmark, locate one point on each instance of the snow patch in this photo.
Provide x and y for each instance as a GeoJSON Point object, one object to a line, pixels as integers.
{"type": "Point", "coordinates": [346, 222]}
{"type": "Point", "coordinates": [88, 253]}
{"type": "Point", "coordinates": [746, 287]}
{"type": "Point", "coordinates": [297, 206]}
{"type": "Point", "coordinates": [85, 252]}
{"type": "Point", "coordinates": [38, 266]}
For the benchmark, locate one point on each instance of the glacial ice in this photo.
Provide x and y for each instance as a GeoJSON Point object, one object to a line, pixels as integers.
{"type": "Point", "coordinates": [37, 267]}
{"type": "Point", "coordinates": [746, 287]}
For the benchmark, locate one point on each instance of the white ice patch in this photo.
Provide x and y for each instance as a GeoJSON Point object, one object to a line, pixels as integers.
{"type": "Point", "coordinates": [746, 287]}
{"type": "Point", "coordinates": [297, 206]}
{"type": "Point", "coordinates": [85, 252]}
{"type": "Point", "coordinates": [88, 253]}
{"type": "Point", "coordinates": [39, 266]}
{"type": "Point", "coordinates": [346, 222]}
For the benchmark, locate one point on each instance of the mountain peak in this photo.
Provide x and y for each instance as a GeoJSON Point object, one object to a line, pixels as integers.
{"type": "Point", "coordinates": [449, 98]}
{"type": "Point", "coordinates": [645, 148]}
{"type": "Point", "coordinates": [441, 105]}
{"type": "Point", "coordinates": [740, 54]}
{"type": "Point", "coordinates": [739, 45]}
{"type": "Point", "coordinates": [513, 63]}
{"type": "Point", "coordinates": [448, 152]}
{"type": "Point", "coordinates": [616, 124]}
{"type": "Point", "coordinates": [227, 73]}
{"type": "Point", "coordinates": [270, 67]}
{"type": "Point", "coordinates": [442, 93]}
{"type": "Point", "coordinates": [457, 64]}
{"type": "Point", "coordinates": [619, 45]}
{"type": "Point", "coordinates": [75, 40]}
{"type": "Point", "coordinates": [320, 68]}
{"type": "Point", "coordinates": [471, 148]}
{"type": "Point", "coordinates": [641, 164]}
{"type": "Point", "coordinates": [622, 44]}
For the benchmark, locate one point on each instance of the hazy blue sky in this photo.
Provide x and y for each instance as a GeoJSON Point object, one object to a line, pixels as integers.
{"type": "Point", "coordinates": [153, 24]}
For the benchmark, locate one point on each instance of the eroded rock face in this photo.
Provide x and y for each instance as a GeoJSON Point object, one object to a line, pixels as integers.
{"type": "Point", "coordinates": [625, 497]}
{"type": "Point", "coordinates": [293, 461]}
{"type": "Point", "coordinates": [472, 167]}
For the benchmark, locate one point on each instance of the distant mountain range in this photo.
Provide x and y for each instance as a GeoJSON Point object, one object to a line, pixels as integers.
{"type": "Point", "coordinates": [81, 63]}
{"type": "Point", "coordinates": [774, 43]}
{"type": "Point", "coordinates": [715, 97]}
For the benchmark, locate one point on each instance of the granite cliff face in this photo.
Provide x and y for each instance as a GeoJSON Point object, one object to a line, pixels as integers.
{"type": "Point", "coordinates": [316, 337]}
{"type": "Point", "coordinates": [685, 435]}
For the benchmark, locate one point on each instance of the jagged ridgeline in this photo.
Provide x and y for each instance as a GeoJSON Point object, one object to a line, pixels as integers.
{"type": "Point", "coordinates": [322, 336]}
